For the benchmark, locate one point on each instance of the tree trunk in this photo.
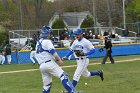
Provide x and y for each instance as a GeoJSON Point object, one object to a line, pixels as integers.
{"type": "Point", "coordinates": [38, 4]}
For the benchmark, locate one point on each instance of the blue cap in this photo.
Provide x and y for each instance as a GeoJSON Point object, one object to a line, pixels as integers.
{"type": "Point", "coordinates": [45, 31]}
{"type": "Point", "coordinates": [78, 32]}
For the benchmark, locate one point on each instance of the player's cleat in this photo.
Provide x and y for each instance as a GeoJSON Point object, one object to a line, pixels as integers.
{"type": "Point", "coordinates": [101, 75]}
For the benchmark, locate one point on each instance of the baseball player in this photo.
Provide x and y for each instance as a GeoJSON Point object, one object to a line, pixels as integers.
{"type": "Point", "coordinates": [82, 47]}
{"type": "Point", "coordinates": [47, 56]}
{"type": "Point", "coordinates": [33, 52]}
{"type": "Point", "coordinates": [2, 58]}
{"type": "Point", "coordinates": [8, 53]}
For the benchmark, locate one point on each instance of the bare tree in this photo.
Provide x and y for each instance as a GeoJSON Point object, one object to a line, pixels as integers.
{"type": "Point", "coordinates": [38, 5]}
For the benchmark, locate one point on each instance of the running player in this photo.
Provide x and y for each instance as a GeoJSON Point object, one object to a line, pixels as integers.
{"type": "Point", "coordinates": [8, 53]}
{"type": "Point", "coordinates": [86, 48]}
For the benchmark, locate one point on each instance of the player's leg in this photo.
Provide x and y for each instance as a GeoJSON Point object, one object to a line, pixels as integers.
{"type": "Point", "coordinates": [9, 59]}
{"type": "Point", "coordinates": [67, 84]}
{"type": "Point", "coordinates": [47, 83]}
{"type": "Point", "coordinates": [47, 80]}
{"type": "Point", "coordinates": [32, 55]}
{"type": "Point", "coordinates": [86, 73]}
{"type": "Point", "coordinates": [81, 65]}
{"type": "Point", "coordinates": [105, 58]}
{"type": "Point", "coordinates": [2, 60]}
{"type": "Point", "coordinates": [58, 72]}
{"type": "Point", "coordinates": [111, 58]}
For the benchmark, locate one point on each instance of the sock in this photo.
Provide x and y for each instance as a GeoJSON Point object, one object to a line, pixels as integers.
{"type": "Point", "coordinates": [67, 84]}
{"type": "Point", "coordinates": [74, 82]}
{"type": "Point", "coordinates": [94, 73]}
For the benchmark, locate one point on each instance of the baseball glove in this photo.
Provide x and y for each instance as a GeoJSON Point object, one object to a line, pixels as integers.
{"type": "Point", "coordinates": [79, 53]}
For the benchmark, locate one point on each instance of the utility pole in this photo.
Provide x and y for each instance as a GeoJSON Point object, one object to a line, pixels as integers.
{"type": "Point", "coordinates": [109, 14]}
{"type": "Point", "coordinates": [94, 18]}
{"type": "Point", "coordinates": [21, 19]}
{"type": "Point", "coordinates": [124, 17]}
{"type": "Point", "coordinates": [94, 13]}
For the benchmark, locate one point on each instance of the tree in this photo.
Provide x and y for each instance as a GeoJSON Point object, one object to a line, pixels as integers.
{"type": "Point", "coordinates": [38, 7]}
{"type": "Point", "coordinates": [132, 12]}
{"type": "Point", "coordinates": [3, 36]}
{"type": "Point", "coordinates": [58, 24]}
{"type": "Point", "coordinates": [88, 22]}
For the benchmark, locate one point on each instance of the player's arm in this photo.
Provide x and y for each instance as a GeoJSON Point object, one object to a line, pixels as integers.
{"type": "Point", "coordinates": [54, 53]}
{"type": "Point", "coordinates": [58, 58]}
{"type": "Point", "coordinates": [70, 52]}
{"type": "Point", "coordinates": [90, 47]}
{"type": "Point", "coordinates": [90, 52]}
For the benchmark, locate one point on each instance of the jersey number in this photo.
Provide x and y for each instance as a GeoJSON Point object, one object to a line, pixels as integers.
{"type": "Point", "coordinates": [39, 49]}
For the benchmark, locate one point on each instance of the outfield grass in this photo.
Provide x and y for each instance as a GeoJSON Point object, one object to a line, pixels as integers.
{"type": "Point", "coordinates": [119, 78]}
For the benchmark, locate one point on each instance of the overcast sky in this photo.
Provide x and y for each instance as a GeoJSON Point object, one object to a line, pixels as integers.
{"type": "Point", "coordinates": [51, 0]}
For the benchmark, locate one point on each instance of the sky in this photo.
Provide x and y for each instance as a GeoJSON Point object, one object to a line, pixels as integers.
{"type": "Point", "coordinates": [51, 0]}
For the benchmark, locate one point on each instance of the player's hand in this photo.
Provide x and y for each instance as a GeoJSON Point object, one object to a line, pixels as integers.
{"type": "Point", "coordinates": [64, 58]}
{"type": "Point", "coordinates": [61, 62]}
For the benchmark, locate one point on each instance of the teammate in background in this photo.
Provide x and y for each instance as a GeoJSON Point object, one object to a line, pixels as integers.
{"type": "Point", "coordinates": [2, 58]}
{"type": "Point", "coordinates": [86, 48]}
{"type": "Point", "coordinates": [33, 52]}
{"type": "Point", "coordinates": [47, 56]}
{"type": "Point", "coordinates": [108, 46]}
{"type": "Point", "coordinates": [8, 53]}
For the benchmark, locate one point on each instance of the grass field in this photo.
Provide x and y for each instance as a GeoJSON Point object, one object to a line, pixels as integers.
{"type": "Point", "coordinates": [121, 77]}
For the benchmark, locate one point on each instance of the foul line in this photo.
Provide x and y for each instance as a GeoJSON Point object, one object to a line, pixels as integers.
{"type": "Point", "coordinates": [8, 72]}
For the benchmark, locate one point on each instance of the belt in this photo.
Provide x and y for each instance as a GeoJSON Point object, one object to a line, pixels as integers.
{"type": "Point", "coordinates": [46, 61]}
{"type": "Point", "coordinates": [81, 58]}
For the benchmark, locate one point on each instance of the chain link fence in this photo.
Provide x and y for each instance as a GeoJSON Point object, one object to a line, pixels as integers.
{"type": "Point", "coordinates": [19, 57]}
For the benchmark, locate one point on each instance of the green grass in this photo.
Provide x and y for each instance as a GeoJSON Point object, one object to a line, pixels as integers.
{"type": "Point", "coordinates": [119, 78]}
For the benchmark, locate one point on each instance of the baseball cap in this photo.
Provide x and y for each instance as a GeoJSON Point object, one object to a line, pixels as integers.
{"type": "Point", "coordinates": [45, 31]}
{"type": "Point", "coordinates": [78, 32]}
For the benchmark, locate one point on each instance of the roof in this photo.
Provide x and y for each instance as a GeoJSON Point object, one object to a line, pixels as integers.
{"type": "Point", "coordinates": [71, 19]}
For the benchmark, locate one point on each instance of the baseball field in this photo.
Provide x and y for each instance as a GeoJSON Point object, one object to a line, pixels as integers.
{"type": "Point", "coordinates": [121, 77]}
